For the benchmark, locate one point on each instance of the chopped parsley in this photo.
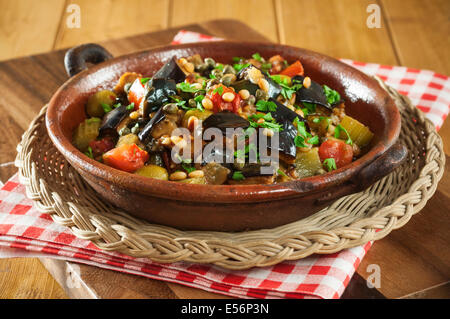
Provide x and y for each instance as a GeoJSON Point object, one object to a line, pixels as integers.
{"type": "Point", "coordinates": [286, 89]}
{"type": "Point", "coordinates": [198, 99]}
{"type": "Point", "coordinates": [238, 59]}
{"type": "Point", "coordinates": [187, 167]}
{"type": "Point", "coordinates": [309, 108]}
{"type": "Point", "coordinates": [265, 67]}
{"type": "Point", "coordinates": [269, 122]}
{"type": "Point", "coordinates": [337, 134]}
{"type": "Point", "coordinates": [281, 79]}
{"type": "Point", "coordinates": [239, 66]}
{"type": "Point", "coordinates": [330, 164]}
{"type": "Point", "coordinates": [89, 152]}
{"type": "Point", "coordinates": [180, 103]}
{"type": "Point", "coordinates": [266, 106]}
{"type": "Point", "coordinates": [93, 120]}
{"type": "Point", "coordinates": [319, 119]}
{"type": "Point", "coordinates": [304, 136]}
{"type": "Point", "coordinates": [241, 153]}
{"type": "Point", "coordinates": [280, 172]}
{"type": "Point", "coordinates": [187, 87]}
{"type": "Point", "coordinates": [145, 80]}
{"type": "Point", "coordinates": [218, 90]}
{"type": "Point", "coordinates": [212, 76]}
{"type": "Point", "coordinates": [219, 66]}
{"type": "Point", "coordinates": [257, 57]}
{"type": "Point", "coordinates": [238, 176]}
{"type": "Point", "coordinates": [130, 107]}
{"type": "Point", "coordinates": [107, 108]}
{"type": "Point", "coordinates": [333, 96]}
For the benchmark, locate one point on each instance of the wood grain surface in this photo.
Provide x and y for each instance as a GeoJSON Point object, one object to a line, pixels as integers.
{"type": "Point", "coordinates": [414, 260]}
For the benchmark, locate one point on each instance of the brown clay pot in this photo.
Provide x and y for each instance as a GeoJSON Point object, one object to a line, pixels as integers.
{"type": "Point", "coordinates": [225, 207]}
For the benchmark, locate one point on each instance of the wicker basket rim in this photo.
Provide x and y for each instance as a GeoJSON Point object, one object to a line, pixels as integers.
{"type": "Point", "coordinates": [345, 223]}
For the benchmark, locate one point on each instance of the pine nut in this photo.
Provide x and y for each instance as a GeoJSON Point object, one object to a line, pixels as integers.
{"type": "Point", "coordinates": [134, 115]}
{"type": "Point", "coordinates": [196, 86]}
{"type": "Point", "coordinates": [291, 107]}
{"type": "Point", "coordinates": [260, 121]}
{"type": "Point", "coordinates": [196, 174]}
{"type": "Point", "coordinates": [244, 94]}
{"type": "Point", "coordinates": [292, 99]}
{"type": "Point", "coordinates": [307, 82]}
{"type": "Point", "coordinates": [207, 103]}
{"type": "Point", "coordinates": [228, 97]}
{"type": "Point", "coordinates": [177, 176]}
{"type": "Point", "coordinates": [165, 140]}
{"type": "Point", "coordinates": [300, 112]}
{"type": "Point", "coordinates": [254, 75]}
{"type": "Point", "coordinates": [263, 85]}
{"type": "Point", "coordinates": [182, 61]}
{"type": "Point", "coordinates": [189, 67]}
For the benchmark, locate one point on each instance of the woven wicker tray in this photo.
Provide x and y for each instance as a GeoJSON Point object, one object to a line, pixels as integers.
{"type": "Point", "coordinates": [353, 220]}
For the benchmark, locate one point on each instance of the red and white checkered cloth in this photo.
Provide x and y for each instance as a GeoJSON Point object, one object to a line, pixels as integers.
{"type": "Point", "coordinates": [26, 232]}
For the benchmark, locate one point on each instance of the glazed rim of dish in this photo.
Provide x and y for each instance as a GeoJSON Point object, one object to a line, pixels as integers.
{"type": "Point", "coordinates": [220, 193]}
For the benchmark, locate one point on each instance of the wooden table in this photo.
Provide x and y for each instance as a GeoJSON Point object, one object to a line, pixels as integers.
{"type": "Point", "coordinates": [409, 267]}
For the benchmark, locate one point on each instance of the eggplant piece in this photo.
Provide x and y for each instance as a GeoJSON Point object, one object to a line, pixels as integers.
{"type": "Point", "coordinates": [245, 85]}
{"type": "Point", "coordinates": [286, 136]}
{"type": "Point", "coordinates": [171, 71]}
{"type": "Point", "coordinates": [145, 134]}
{"type": "Point", "coordinates": [224, 120]}
{"type": "Point", "coordinates": [284, 113]}
{"type": "Point", "coordinates": [226, 159]}
{"type": "Point", "coordinates": [314, 94]}
{"type": "Point", "coordinates": [274, 88]}
{"type": "Point", "coordinates": [252, 74]}
{"type": "Point", "coordinates": [112, 120]}
{"type": "Point", "coordinates": [159, 94]}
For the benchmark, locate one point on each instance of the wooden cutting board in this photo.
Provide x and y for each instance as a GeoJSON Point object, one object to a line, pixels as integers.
{"type": "Point", "coordinates": [26, 84]}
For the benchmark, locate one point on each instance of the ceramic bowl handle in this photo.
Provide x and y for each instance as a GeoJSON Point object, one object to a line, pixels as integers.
{"type": "Point", "coordinates": [76, 59]}
{"type": "Point", "coordinates": [381, 166]}
{"type": "Point", "coordinates": [377, 169]}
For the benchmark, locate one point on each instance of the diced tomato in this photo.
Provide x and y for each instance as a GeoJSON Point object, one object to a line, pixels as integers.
{"type": "Point", "coordinates": [337, 149]}
{"type": "Point", "coordinates": [294, 69]}
{"type": "Point", "coordinates": [128, 157]}
{"type": "Point", "coordinates": [136, 93]}
{"type": "Point", "coordinates": [219, 104]}
{"type": "Point", "coordinates": [101, 146]}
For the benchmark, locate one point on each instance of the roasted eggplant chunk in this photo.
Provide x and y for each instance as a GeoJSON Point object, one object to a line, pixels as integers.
{"type": "Point", "coordinates": [171, 71]}
{"type": "Point", "coordinates": [112, 120]}
{"type": "Point", "coordinates": [314, 94]}
{"type": "Point", "coordinates": [159, 94]}
{"type": "Point", "coordinates": [145, 134]}
{"type": "Point", "coordinates": [286, 139]}
{"type": "Point", "coordinates": [283, 113]}
{"type": "Point", "coordinates": [245, 85]}
{"type": "Point", "coordinates": [274, 88]}
{"type": "Point", "coordinates": [224, 120]}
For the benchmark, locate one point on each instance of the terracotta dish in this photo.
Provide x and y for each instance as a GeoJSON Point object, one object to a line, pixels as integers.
{"type": "Point", "coordinates": [224, 207]}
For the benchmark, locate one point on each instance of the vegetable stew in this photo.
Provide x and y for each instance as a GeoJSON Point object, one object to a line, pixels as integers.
{"type": "Point", "coordinates": [135, 126]}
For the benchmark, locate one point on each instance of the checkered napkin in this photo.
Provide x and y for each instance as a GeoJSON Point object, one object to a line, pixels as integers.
{"type": "Point", "coordinates": [24, 232]}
